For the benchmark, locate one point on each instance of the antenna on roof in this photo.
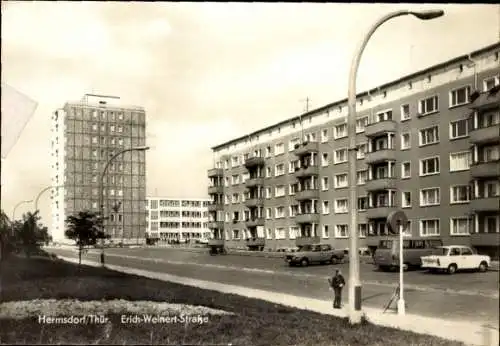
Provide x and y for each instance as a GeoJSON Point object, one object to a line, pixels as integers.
{"type": "Point", "coordinates": [306, 100]}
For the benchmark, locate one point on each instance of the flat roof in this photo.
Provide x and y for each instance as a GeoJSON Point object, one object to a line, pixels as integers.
{"type": "Point", "coordinates": [365, 93]}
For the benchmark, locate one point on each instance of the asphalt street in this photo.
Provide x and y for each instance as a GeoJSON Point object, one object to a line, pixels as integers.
{"type": "Point", "coordinates": [424, 293]}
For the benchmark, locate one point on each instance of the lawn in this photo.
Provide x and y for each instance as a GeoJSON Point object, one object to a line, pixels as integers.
{"type": "Point", "coordinates": [251, 322]}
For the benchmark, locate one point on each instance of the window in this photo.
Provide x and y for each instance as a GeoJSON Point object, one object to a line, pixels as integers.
{"type": "Point", "coordinates": [292, 189]}
{"type": "Point", "coordinates": [292, 143]}
{"type": "Point", "coordinates": [492, 224]}
{"type": "Point", "coordinates": [340, 131]}
{"type": "Point", "coordinates": [361, 124]}
{"type": "Point", "coordinates": [405, 112]}
{"type": "Point", "coordinates": [120, 129]}
{"type": "Point", "coordinates": [428, 105]}
{"type": "Point", "coordinates": [429, 166]}
{"type": "Point", "coordinates": [269, 192]}
{"type": "Point", "coordinates": [236, 234]}
{"type": "Point", "coordinates": [324, 159]}
{"type": "Point", "coordinates": [361, 177]}
{"type": "Point", "coordinates": [326, 231]}
{"type": "Point", "coordinates": [429, 227]}
{"type": "Point", "coordinates": [362, 230]}
{"type": "Point", "coordinates": [326, 207]}
{"type": "Point", "coordinates": [340, 156]}
{"type": "Point", "coordinates": [460, 161]}
{"type": "Point", "coordinates": [407, 230]}
{"type": "Point", "coordinates": [341, 206]}
{"type": "Point", "coordinates": [362, 203]}
{"type": "Point", "coordinates": [235, 179]}
{"type": "Point", "coordinates": [406, 199]}
{"type": "Point", "coordinates": [406, 169]}
{"type": "Point", "coordinates": [269, 213]}
{"type": "Point", "coordinates": [293, 232]}
{"type": "Point", "coordinates": [341, 231]}
{"type": "Point", "coordinates": [280, 212]}
{"type": "Point", "coordinates": [429, 196]}
{"type": "Point", "coordinates": [460, 225]}
{"type": "Point", "coordinates": [324, 135]}
{"type": "Point", "coordinates": [236, 161]}
{"type": "Point", "coordinates": [459, 96]}
{"type": "Point", "coordinates": [235, 198]}
{"type": "Point", "coordinates": [459, 194]}
{"type": "Point", "coordinates": [384, 115]}
{"type": "Point", "coordinates": [491, 153]}
{"type": "Point", "coordinates": [325, 185]}
{"type": "Point", "coordinates": [269, 233]}
{"type": "Point", "coordinates": [293, 210]}
{"type": "Point", "coordinates": [429, 136]}
{"type": "Point", "coordinates": [280, 169]}
{"type": "Point", "coordinates": [405, 141]}
{"type": "Point", "coordinates": [490, 82]}
{"type": "Point", "coordinates": [279, 149]}
{"type": "Point", "coordinates": [279, 233]}
{"type": "Point", "coordinates": [269, 172]}
{"type": "Point", "coordinates": [360, 154]}
{"type": "Point", "coordinates": [341, 180]}
{"type": "Point", "coordinates": [491, 188]}
{"type": "Point", "coordinates": [459, 129]}
{"type": "Point", "coordinates": [268, 151]}
{"type": "Point", "coordinates": [279, 191]}
{"type": "Point", "coordinates": [94, 140]}
{"type": "Point", "coordinates": [310, 137]}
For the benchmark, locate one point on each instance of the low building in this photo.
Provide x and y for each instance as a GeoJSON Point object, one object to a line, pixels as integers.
{"type": "Point", "coordinates": [177, 220]}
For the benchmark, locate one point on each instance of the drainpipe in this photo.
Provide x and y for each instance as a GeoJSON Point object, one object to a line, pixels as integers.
{"type": "Point", "coordinates": [475, 74]}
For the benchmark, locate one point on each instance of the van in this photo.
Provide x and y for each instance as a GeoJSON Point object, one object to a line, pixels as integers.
{"type": "Point", "coordinates": [386, 255]}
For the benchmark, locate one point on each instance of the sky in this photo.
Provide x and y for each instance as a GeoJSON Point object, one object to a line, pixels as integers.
{"type": "Point", "coordinates": [206, 72]}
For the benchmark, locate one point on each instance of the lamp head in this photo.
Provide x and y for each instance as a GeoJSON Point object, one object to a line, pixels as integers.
{"type": "Point", "coordinates": [428, 14]}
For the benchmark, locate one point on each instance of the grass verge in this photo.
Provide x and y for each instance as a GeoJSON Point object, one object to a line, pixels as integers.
{"type": "Point", "coordinates": [255, 322]}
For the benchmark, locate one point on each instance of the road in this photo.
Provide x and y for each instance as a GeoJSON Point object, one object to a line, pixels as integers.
{"type": "Point", "coordinates": [468, 296]}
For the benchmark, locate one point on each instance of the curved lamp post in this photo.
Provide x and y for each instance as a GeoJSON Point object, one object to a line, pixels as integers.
{"type": "Point", "coordinates": [18, 205]}
{"type": "Point", "coordinates": [354, 281]}
{"type": "Point", "coordinates": [41, 193]}
{"type": "Point", "coordinates": [101, 188]}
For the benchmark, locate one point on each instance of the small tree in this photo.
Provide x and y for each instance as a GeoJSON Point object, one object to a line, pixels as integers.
{"type": "Point", "coordinates": [85, 228]}
{"type": "Point", "coordinates": [30, 234]}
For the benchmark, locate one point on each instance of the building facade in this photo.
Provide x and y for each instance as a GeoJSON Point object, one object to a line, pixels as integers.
{"type": "Point", "coordinates": [427, 143]}
{"type": "Point", "coordinates": [85, 135]}
{"type": "Point", "coordinates": [172, 220]}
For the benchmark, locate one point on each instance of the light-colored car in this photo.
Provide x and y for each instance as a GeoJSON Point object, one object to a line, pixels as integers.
{"type": "Point", "coordinates": [318, 253]}
{"type": "Point", "coordinates": [455, 257]}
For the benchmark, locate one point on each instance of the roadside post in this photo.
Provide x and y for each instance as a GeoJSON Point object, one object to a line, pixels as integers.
{"type": "Point", "coordinates": [396, 221]}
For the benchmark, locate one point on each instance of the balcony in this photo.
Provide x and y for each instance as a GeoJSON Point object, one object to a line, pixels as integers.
{"type": "Point", "coordinates": [216, 242]}
{"type": "Point", "coordinates": [254, 182]}
{"type": "Point", "coordinates": [380, 156]}
{"type": "Point", "coordinates": [254, 162]}
{"type": "Point", "coordinates": [381, 212]}
{"type": "Point", "coordinates": [380, 184]}
{"type": "Point", "coordinates": [215, 172]}
{"type": "Point", "coordinates": [254, 202]}
{"type": "Point", "coordinates": [307, 218]}
{"type": "Point", "coordinates": [484, 239]}
{"type": "Point", "coordinates": [254, 222]}
{"type": "Point", "coordinates": [307, 194]}
{"type": "Point", "coordinates": [215, 189]}
{"type": "Point", "coordinates": [300, 241]}
{"type": "Point", "coordinates": [379, 128]}
{"type": "Point", "coordinates": [215, 207]}
{"type": "Point", "coordinates": [216, 225]}
{"type": "Point", "coordinates": [485, 204]}
{"type": "Point", "coordinates": [306, 148]}
{"type": "Point", "coordinates": [255, 242]}
{"type": "Point", "coordinates": [301, 172]}
{"type": "Point", "coordinates": [490, 134]}
{"type": "Point", "coordinates": [485, 169]}
{"type": "Point", "coordinates": [486, 100]}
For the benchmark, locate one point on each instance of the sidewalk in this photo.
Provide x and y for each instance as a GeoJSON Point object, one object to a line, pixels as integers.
{"type": "Point", "coordinates": [467, 332]}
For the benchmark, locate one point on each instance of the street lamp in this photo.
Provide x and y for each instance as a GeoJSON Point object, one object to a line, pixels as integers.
{"type": "Point", "coordinates": [41, 193]}
{"type": "Point", "coordinates": [354, 281]}
{"type": "Point", "coordinates": [101, 183]}
{"type": "Point", "coordinates": [18, 205]}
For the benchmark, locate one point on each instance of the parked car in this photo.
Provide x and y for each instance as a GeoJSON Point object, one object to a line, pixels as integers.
{"type": "Point", "coordinates": [455, 257]}
{"type": "Point", "coordinates": [316, 253]}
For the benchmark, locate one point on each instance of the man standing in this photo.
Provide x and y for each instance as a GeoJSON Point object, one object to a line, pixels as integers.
{"type": "Point", "coordinates": [337, 282]}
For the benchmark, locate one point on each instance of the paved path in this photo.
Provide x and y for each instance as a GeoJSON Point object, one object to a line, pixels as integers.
{"type": "Point", "coordinates": [467, 332]}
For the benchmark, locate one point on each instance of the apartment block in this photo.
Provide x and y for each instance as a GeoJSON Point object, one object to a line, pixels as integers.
{"type": "Point", "coordinates": [172, 220]}
{"type": "Point", "coordinates": [86, 134]}
{"type": "Point", "coordinates": [427, 143]}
